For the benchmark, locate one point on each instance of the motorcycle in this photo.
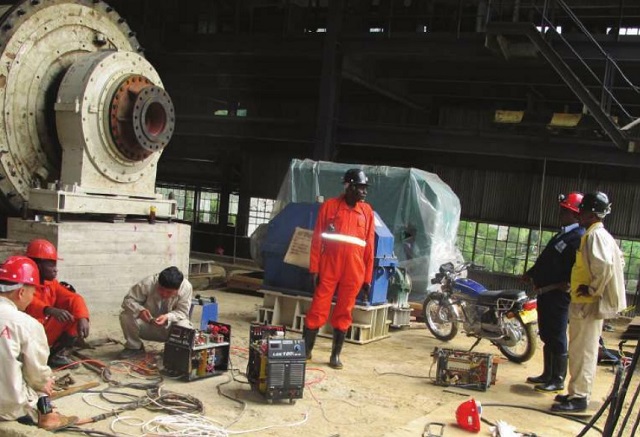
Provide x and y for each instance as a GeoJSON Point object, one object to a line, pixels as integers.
{"type": "Point", "coordinates": [504, 317]}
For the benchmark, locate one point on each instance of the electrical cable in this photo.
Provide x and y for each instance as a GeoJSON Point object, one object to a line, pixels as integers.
{"type": "Point", "coordinates": [540, 410]}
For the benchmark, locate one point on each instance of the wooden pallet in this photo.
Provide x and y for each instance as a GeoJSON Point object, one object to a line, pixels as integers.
{"type": "Point", "coordinates": [370, 323]}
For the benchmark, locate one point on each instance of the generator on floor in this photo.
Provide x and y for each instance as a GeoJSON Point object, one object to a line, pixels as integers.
{"type": "Point", "coordinates": [196, 353]}
{"type": "Point", "coordinates": [276, 367]}
{"type": "Point", "coordinates": [463, 369]}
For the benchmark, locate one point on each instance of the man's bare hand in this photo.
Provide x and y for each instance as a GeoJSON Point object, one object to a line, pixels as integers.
{"type": "Point", "coordinates": [583, 290]}
{"type": "Point", "coordinates": [83, 328]}
{"type": "Point", "coordinates": [145, 315]}
{"type": "Point", "coordinates": [48, 387]}
{"type": "Point", "coordinates": [59, 314]}
{"type": "Point", "coordinates": [161, 320]}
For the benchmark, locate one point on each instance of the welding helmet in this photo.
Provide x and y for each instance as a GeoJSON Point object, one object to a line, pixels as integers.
{"type": "Point", "coordinates": [20, 270]}
{"type": "Point", "coordinates": [597, 202]}
{"type": "Point", "coordinates": [42, 249]}
{"type": "Point", "coordinates": [468, 415]}
{"type": "Point", "coordinates": [571, 201]}
{"type": "Point", "coordinates": [355, 176]}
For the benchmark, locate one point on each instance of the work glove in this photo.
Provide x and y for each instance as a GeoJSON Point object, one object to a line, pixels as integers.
{"type": "Point", "coordinates": [59, 314]}
{"type": "Point", "coordinates": [315, 280]}
{"type": "Point", "coordinates": [364, 292]}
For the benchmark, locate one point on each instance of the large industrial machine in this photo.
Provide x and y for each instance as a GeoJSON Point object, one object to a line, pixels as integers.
{"type": "Point", "coordinates": [282, 276]}
{"type": "Point", "coordinates": [85, 116]}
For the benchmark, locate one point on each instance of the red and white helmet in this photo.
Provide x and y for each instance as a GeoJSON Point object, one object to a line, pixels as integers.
{"type": "Point", "coordinates": [42, 249]}
{"type": "Point", "coordinates": [468, 415]}
{"type": "Point", "coordinates": [20, 270]}
{"type": "Point", "coordinates": [571, 201]}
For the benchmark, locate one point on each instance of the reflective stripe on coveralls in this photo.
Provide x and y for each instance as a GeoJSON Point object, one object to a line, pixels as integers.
{"type": "Point", "coordinates": [343, 259]}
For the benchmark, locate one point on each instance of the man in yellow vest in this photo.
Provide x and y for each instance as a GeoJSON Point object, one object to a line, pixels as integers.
{"type": "Point", "coordinates": [597, 293]}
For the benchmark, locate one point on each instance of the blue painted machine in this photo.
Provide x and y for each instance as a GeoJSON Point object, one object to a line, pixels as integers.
{"type": "Point", "coordinates": [288, 278]}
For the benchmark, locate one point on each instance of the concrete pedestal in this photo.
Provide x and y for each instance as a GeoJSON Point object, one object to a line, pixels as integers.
{"type": "Point", "coordinates": [103, 260]}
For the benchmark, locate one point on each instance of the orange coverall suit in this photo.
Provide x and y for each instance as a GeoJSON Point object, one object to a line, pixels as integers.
{"type": "Point", "coordinates": [53, 294]}
{"type": "Point", "coordinates": [342, 255]}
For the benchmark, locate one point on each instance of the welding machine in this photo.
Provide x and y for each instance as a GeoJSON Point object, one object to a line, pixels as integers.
{"type": "Point", "coordinates": [276, 367]}
{"type": "Point", "coordinates": [472, 370]}
{"type": "Point", "coordinates": [196, 353]}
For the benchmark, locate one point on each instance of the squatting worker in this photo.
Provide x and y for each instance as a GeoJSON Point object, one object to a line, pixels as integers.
{"type": "Point", "coordinates": [597, 293]}
{"type": "Point", "coordinates": [63, 312]}
{"type": "Point", "coordinates": [25, 380]}
{"type": "Point", "coordinates": [341, 261]}
{"type": "Point", "coordinates": [150, 308]}
{"type": "Point", "coordinates": [551, 275]}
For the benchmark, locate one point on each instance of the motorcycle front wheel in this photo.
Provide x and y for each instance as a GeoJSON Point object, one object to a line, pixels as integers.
{"type": "Point", "coordinates": [526, 347]}
{"type": "Point", "coordinates": [439, 317]}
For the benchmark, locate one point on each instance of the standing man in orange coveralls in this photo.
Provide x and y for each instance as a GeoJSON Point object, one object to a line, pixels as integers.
{"type": "Point", "coordinates": [341, 261]}
{"type": "Point", "coordinates": [63, 313]}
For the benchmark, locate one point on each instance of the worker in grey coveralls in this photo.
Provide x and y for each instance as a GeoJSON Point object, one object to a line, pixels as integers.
{"type": "Point", "coordinates": [150, 308]}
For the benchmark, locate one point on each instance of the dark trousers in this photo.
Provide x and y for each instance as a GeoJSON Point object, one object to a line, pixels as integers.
{"type": "Point", "coordinates": [553, 317]}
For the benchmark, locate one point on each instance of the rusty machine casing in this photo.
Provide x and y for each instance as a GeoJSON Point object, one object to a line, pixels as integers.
{"type": "Point", "coordinates": [84, 117]}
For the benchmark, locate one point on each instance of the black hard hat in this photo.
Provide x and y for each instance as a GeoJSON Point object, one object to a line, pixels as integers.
{"type": "Point", "coordinates": [597, 202]}
{"type": "Point", "coordinates": [355, 176]}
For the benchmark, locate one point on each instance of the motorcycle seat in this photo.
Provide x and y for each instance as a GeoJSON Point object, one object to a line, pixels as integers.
{"type": "Point", "coordinates": [491, 296]}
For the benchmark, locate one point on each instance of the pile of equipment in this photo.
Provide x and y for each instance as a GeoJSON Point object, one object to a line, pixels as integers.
{"type": "Point", "coordinates": [196, 353]}
{"type": "Point", "coordinates": [277, 365]}
{"type": "Point", "coordinates": [463, 369]}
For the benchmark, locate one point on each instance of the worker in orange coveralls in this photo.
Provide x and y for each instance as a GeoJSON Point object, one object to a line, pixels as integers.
{"type": "Point", "coordinates": [341, 261]}
{"type": "Point", "coordinates": [63, 313]}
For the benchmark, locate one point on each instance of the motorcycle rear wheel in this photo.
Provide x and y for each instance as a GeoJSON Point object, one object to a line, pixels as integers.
{"type": "Point", "coordinates": [525, 348]}
{"type": "Point", "coordinates": [439, 317]}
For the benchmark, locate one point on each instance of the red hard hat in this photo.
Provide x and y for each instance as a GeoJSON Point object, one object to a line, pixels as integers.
{"type": "Point", "coordinates": [42, 249]}
{"type": "Point", "coordinates": [572, 201]}
{"type": "Point", "coordinates": [468, 415]}
{"type": "Point", "coordinates": [20, 270]}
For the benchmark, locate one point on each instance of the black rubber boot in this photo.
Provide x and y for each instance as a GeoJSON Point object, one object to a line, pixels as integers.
{"type": "Point", "coordinates": [573, 405]}
{"type": "Point", "coordinates": [58, 352]}
{"type": "Point", "coordinates": [309, 336]}
{"type": "Point", "coordinates": [545, 378]}
{"type": "Point", "coordinates": [336, 348]}
{"type": "Point", "coordinates": [558, 375]}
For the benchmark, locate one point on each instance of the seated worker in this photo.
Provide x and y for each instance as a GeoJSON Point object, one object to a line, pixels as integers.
{"type": "Point", "coordinates": [152, 306]}
{"type": "Point", "coordinates": [63, 312]}
{"type": "Point", "coordinates": [25, 379]}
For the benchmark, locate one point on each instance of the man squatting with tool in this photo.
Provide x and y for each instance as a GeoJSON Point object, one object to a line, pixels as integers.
{"type": "Point", "coordinates": [341, 261]}
{"type": "Point", "coordinates": [150, 308]}
{"type": "Point", "coordinates": [59, 308]}
{"type": "Point", "coordinates": [551, 275]}
{"type": "Point", "coordinates": [25, 380]}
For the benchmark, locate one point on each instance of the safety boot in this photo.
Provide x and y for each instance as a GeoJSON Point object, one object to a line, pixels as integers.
{"type": "Point", "coordinates": [309, 336]}
{"type": "Point", "coordinates": [55, 421]}
{"type": "Point", "coordinates": [545, 377]}
{"type": "Point", "coordinates": [558, 375]}
{"type": "Point", "coordinates": [572, 405]}
{"type": "Point", "coordinates": [58, 352]}
{"type": "Point", "coordinates": [336, 348]}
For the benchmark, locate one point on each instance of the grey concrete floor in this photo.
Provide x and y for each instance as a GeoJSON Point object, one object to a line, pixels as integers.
{"type": "Point", "coordinates": [384, 389]}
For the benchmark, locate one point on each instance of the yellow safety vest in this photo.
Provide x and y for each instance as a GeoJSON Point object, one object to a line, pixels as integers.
{"type": "Point", "coordinates": [580, 273]}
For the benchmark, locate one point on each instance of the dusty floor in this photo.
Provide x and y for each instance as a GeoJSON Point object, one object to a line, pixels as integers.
{"type": "Point", "coordinates": [384, 389]}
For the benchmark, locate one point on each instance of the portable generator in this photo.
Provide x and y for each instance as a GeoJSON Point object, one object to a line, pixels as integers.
{"type": "Point", "coordinates": [472, 370]}
{"type": "Point", "coordinates": [276, 367]}
{"type": "Point", "coordinates": [196, 353]}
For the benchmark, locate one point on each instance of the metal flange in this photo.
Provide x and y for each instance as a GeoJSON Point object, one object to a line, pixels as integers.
{"type": "Point", "coordinates": [39, 41]}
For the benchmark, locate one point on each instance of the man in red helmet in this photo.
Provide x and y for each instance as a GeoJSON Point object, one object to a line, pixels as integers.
{"type": "Point", "coordinates": [341, 261]}
{"type": "Point", "coordinates": [551, 275]}
{"type": "Point", "coordinates": [597, 293]}
{"type": "Point", "coordinates": [63, 313]}
{"type": "Point", "coordinates": [26, 380]}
